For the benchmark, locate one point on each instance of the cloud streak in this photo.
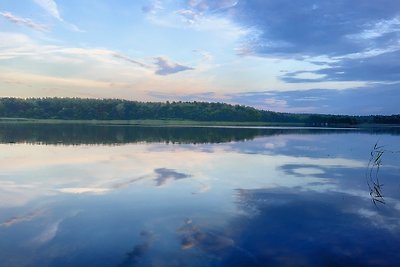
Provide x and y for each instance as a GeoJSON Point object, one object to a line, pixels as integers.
{"type": "Point", "coordinates": [50, 6]}
{"type": "Point", "coordinates": [128, 59]}
{"type": "Point", "coordinates": [194, 11]}
{"type": "Point", "coordinates": [383, 67]}
{"type": "Point", "coordinates": [24, 22]}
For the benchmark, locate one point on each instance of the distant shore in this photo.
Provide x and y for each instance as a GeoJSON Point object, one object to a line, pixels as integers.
{"type": "Point", "coordinates": [124, 112]}
{"type": "Point", "coordinates": [188, 123]}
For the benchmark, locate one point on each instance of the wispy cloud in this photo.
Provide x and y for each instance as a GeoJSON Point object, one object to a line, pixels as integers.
{"type": "Point", "coordinates": [165, 67]}
{"type": "Point", "coordinates": [50, 6]}
{"type": "Point", "coordinates": [204, 6]}
{"type": "Point", "coordinates": [73, 27]}
{"type": "Point", "coordinates": [128, 59]}
{"type": "Point", "coordinates": [382, 67]}
{"type": "Point", "coordinates": [24, 21]}
{"type": "Point", "coordinates": [206, 56]}
{"type": "Point", "coordinates": [378, 29]}
{"type": "Point", "coordinates": [189, 16]}
{"type": "Point", "coordinates": [14, 45]}
{"type": "Point", "coordinates": [196, 11]}
{"type": "Point", "coordinates": [152, 7]}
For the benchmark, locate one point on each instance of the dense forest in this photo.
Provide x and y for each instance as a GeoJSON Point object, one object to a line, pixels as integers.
{"type": "Point", "coordinates": [116, 109]}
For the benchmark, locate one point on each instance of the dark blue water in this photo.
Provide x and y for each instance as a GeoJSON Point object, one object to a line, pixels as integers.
{"type": "Point", "coordinates": [131, 196]}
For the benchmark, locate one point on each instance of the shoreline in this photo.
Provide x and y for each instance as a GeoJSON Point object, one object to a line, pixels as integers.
{"type": "Point", "coordinates": [190, 123]}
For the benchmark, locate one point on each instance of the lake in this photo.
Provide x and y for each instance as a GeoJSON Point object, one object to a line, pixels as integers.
{"type": "Point", "coordinates": [89, 195]}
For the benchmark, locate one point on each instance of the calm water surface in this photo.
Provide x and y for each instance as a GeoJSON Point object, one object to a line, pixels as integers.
{"type": "Point", "coordinates": [74, 195]}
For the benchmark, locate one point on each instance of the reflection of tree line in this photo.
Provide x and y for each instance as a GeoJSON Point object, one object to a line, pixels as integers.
{"type": "Point", "coordinates": [95, 134]}
{"type": "Point", "coordinates": [74, 134]}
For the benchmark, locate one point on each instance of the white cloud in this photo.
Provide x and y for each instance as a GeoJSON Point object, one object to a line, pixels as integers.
{"type": "Point", "coordinates": [198, 11]}
{"type": "Point", "coordinates": [15, 45]}
{"type": "Point", "coordinates": [378, 29]}
{"type": "Point", "coordinates": [86, 72]}
{"type": "Point", "coordinates": [206, 56]}
{"type": "Point", "coordinates": [211, 6]}
{"type": "Point", "coordinates": [56, 81]}
{"type": "Point", "coordinates": [152, 7]}
{"type": "Point", "coordinates": [73, 27]}
{"type": "Point", "coordinates": [24, 21]}
{"type": "Point", "coordinates": [189, 16]}
{"type": "Point", "coordinates": [50, 6]}
{"type": "Point", "coordinates": [201, 16]}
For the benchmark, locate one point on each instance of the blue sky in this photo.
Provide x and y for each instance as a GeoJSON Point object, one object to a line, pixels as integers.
{"type": "Point", "coordinates": [323, 56]}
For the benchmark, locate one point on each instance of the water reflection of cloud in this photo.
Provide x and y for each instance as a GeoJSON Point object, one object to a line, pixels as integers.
{"type": "Point", "coordinates": [23, 218]}
{"type": "Point", "coordinates": [105, 188]}
{"type": "Point", "coordinates": [126, 183]}
{"type": "Point", "coordinates": [15, 193]}
{"type": "Point", "coordinates": [163, 175]}
{"type": "Point", "coordinates": [304, 170]}
{"type": "Point", "coordinates": [51, 228]}
{"type": "Point", "coordinates": [315, 229]}
{"type": "Point", "coordinates": [192, 235]}
{"type": "Point", "coordinates": [160, 175]}
{"type": "Point", "coordinates": [342, 178]}
{"type": "Point", "coordinates": [135, 256]}
{"type": "Point", "coordinates": [388, 222]}
{"type": "Point", "coordinates": [308, 148]}
{"type": "Point", "coordinates": [49, 233]}
{"type": "Point", "coordinates": [82, 190]}
{"type": "Point", "coordinates": [212, 243]}
{"type": "Point", "coordinates": [61, 171]}
{"type": "Point", "coordinates": [203, 188]}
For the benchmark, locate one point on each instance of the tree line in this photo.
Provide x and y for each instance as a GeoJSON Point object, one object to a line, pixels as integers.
{"type": "Point", "coordinates": [117, 109]}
